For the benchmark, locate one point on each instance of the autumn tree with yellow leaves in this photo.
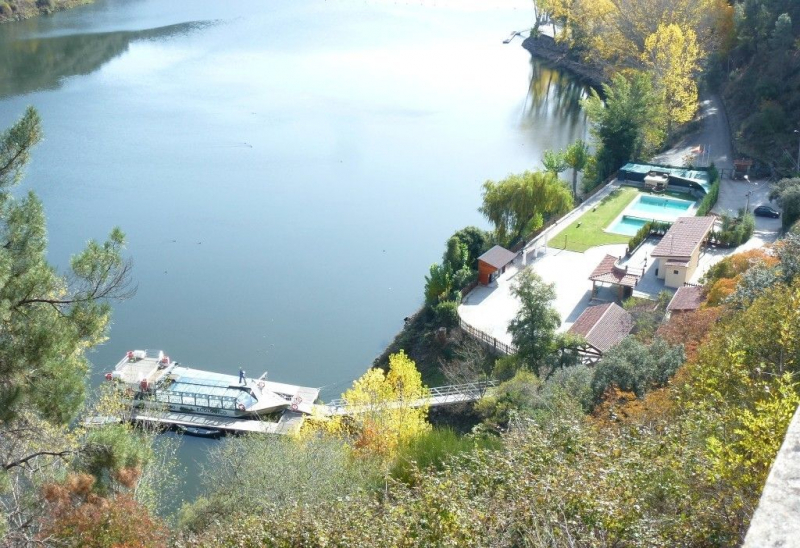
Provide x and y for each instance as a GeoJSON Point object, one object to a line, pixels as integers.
{"type": "Point", "coordinates": [671, 55]}
{"type": "Point", "coordinates": [383, 409]}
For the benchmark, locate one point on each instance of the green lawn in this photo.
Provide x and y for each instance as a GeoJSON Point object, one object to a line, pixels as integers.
{"type": "Point", "coordinates": [588, 230]}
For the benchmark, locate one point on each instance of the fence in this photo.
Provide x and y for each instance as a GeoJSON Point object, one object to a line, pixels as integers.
{"type": "Point", "coordinates": [487, 339]}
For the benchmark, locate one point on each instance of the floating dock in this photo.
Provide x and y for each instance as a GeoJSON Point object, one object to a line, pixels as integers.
{"type": "Point", "coordinates": [165, 393]}
{"type": "Point", "coordinates": [288, 423]}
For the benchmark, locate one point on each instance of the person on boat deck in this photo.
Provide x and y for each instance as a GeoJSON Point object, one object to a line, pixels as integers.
{"type": "Point", "coordinates": [242, 379]}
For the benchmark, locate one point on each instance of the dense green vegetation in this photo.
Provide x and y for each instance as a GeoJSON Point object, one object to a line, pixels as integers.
{"type": "Point", "coordinates": [710, 199]}
{"type": "Point", "coordinates": [57, 479]}
{"type": "Point", "coordinates": [759, 75]}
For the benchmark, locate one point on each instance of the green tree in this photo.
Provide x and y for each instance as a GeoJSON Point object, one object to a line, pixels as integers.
{"type": "Point", "coordinates": [438, 284]}
{"type": "Point", "coordinates": [48, 323]}
{"type": "Point", "coordinates": [787, 193]}
{"type": "Point", "coordinates": [534, 327]}
{"type": "Point", "coordinates": [554, 161]}
{"type": "Point", "coordinates": [628, 125]}
{"type": "Point", "coordinates": [520, 203]}
{"type": "Point", "coordinates": [456, 256]}
{"type": "Point", "coordinates": [576, 157]}
{"type": "Point", "coordinates": [477, 242]}
{"type": "Point", "coordinates": [635, 367]}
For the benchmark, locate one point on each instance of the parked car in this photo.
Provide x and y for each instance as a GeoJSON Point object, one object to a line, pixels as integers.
{"type": "Point", "coordinates": [766, 211]}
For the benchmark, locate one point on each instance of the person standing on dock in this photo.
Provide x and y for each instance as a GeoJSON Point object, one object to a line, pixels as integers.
{"type": "Point", "coordinates": [242, 378]}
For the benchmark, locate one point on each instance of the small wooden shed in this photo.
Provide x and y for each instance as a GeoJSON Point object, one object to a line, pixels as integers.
{"type": "Point", "coordinates": [493, 263]}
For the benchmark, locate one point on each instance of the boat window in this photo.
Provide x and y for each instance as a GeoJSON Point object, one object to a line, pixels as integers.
{"type": "Point", "coordinates": [202, 400]}
{"type": "Point", "coordinates": [163, 397]}
{"type": "Point", "coordinates": [188, 399]}
{"type": "Point", "coordinates": [214, 402]}
{"type": "Point", "coordinates": [175, 398]}
{"type": "Point", "coordinates": [245, 399]}
{"type": "Point", "coordinates": [227, 403]}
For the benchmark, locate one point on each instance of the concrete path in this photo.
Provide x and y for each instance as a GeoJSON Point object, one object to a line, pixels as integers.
{"type": "Point", "coordinates": [491, 308]}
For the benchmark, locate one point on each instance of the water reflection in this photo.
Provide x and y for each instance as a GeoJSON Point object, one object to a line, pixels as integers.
{"type": "Point", "coordinates": [554, 94]}
{"type": "Point", "coordinates": [33, 64]}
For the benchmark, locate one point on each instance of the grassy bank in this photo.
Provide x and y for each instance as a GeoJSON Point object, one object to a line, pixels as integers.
{"type": "Point", "coordinates": [14, 10]}
{"type": "Point", "coordinates": [589, 229]}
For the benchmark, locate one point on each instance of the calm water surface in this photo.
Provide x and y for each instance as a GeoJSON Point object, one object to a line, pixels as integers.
{"type": "Point", "coordinates": [285, 171]}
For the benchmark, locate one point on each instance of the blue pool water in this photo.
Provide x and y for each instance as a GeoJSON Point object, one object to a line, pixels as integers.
{"type": "Point", "coordinates": [627, 226]}
{"type": "Point", "coordinates": [647, 208]}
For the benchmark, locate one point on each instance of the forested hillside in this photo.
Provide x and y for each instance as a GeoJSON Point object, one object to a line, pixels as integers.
{"type": "Point", "coordinates": [760, 79]}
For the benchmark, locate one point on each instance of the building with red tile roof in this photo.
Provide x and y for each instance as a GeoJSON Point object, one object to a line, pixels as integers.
{"type": "Point", "coordinates": [603, 327]}
{"type": "Point", "coordinates": [686, 299]}
{"type": "Point", "coordinates": [678, 252]}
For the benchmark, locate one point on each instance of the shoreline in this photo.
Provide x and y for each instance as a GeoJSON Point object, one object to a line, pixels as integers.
{"type": "Point", "coordinates": [26, 9]}
{"type": "Point", "coordinates": [545, 48]}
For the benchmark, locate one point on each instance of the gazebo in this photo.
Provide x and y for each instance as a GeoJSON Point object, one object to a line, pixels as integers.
{"type": "Point", "coordinates": [607, 272]}
{"type": "Point", "coordinates": [493, 263]}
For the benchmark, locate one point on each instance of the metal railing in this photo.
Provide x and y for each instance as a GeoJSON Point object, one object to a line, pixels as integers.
{"type": "Point", "coordinates": [439, 395]}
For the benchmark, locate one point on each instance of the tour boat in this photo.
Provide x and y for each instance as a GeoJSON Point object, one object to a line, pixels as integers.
{"type": "Point", "coordinates": [153, 380]}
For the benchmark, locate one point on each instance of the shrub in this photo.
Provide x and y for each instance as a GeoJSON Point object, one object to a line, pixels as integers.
{"type": "Point", "coordinates": [446, 314]}
{"type": "Point", "coordinates": [432, 449]}
{"type": "Point", "coordinates": [640, 236]}
{"type": "Point", "coordinates": [635, 367]}
{"type": "Point", "coordinates": [710, 199]}
{"type": "Point", "coordinates": [650, 227]}
{"type": "Point", "coordinates": [737, 231]}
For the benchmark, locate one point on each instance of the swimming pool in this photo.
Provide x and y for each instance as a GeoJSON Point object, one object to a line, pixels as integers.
{"type": "Point", "coordinates": [649, 208]}
{"type": "Point", "coordinates": [627, 226]}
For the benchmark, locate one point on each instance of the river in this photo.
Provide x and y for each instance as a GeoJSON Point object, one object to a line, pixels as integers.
{"type": "Point", "coordinates": [285, 171]}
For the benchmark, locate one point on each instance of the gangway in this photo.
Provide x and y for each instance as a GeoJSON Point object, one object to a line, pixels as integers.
{"type": "Point", "coordinates": [439, 396]}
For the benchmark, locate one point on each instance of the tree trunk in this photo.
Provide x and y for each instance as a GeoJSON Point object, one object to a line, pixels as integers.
{"type": "Point", "coordinates": [574, 183]}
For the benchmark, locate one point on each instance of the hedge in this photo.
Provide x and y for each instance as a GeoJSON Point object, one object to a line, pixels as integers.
{"type": "Point", "coordinates": [710, 199]}
{"type": "Point", "coordinates": [650, 227]}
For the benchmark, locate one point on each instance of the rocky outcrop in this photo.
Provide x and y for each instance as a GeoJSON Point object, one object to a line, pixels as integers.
{"type": "Point", "coordinates": [547, 49]}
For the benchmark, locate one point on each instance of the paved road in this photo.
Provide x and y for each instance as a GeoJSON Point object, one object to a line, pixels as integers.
{"type": "Point", "coordinates": [713, 136]}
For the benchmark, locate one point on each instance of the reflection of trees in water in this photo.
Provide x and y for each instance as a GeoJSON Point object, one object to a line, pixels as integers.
{"type": "Point", "coordinates": [553, 94]}
{"type": "Point", "coordinates": [33, 64]}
